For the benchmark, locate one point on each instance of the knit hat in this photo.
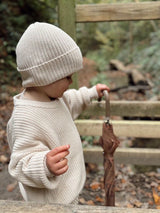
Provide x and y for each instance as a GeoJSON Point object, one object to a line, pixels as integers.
{"type": "Point", "coordinates": [45, 54]}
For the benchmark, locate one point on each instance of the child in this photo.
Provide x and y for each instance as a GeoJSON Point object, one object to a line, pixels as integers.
{"type": "Point", "coordinates": [46, 152]}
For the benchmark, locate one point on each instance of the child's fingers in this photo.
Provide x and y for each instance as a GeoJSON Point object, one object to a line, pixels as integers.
{"type": "Point", "coordinates": [59, 149]}
{"type": "Point", "coordinates": [57, 162]}
{"type": "Point", "coordinates": [100, 88]}
{"type": "Point", "coordinates": [62, 170]}
{"type": "Point", "coordinates": [107, 88]}
{"type": "Point", "coordinates": [60, 156]}
{"type": "Point", "coordinates": [61, 164]}
{"type": "Point", "coordinates": [104, 87]}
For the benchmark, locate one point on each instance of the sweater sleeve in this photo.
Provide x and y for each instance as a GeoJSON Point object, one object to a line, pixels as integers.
{"type": "Point", "coordinates": [77, 100]}
{"type": "Point", "coordinates": [29, 151]}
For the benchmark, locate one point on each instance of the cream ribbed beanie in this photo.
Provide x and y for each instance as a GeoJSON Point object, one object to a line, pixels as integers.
{"type": "Point", "coordinates": [46, 54]}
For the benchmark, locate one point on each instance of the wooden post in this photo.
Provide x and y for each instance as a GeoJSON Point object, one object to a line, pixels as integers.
{"type": "Point", "coordinates": [66, 19]}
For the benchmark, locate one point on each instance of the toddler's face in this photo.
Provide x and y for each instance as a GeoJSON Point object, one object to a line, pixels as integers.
{"type": "Point", "coordinates": [56, 89]}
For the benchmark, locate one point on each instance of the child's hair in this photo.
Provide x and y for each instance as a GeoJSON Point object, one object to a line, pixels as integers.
{"type": "Point", "coordinates": [45, 54]}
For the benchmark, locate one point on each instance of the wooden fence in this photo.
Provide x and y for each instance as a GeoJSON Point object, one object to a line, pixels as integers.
{"type": "Point", "coordinates": [69, 15]}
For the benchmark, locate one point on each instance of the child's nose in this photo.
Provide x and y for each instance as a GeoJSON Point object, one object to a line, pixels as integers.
{"type": "Point", "coordinates": [69, 78]}
{"type": "Point", "coordinates": [70, 81]}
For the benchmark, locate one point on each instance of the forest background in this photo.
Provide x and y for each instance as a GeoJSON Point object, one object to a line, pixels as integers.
{"type": "Point", "coordinates": [135, 42]}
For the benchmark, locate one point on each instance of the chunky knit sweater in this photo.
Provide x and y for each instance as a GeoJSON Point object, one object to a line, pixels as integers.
{"type": "Point", "coordinates": [33, 130]}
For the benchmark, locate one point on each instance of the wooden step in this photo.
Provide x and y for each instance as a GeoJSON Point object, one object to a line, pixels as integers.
{"type": "Point", "coordinates": [125, 108]}
{"type": "Point", "coordinates": [139, 129]}
{"type": "Point", "coordinates": [135, 156]}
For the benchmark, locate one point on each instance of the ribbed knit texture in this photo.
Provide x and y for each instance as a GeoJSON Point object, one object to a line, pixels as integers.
{"type": "Point", "coordinates": [33, 130]}
{"type": "Point", "coordinates": [45, 54]}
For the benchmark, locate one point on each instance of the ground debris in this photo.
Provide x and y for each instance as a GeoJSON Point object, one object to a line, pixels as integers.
{"type": "Point", "coordinates": [132, 190]}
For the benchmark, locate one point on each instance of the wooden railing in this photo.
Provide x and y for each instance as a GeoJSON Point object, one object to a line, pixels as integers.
{"type": "Point", "coordinates": [69, 15]}
{"type": "Point", "coordinates": [124, 128]}
{"type": "Point", "coordinates": [118, 12]}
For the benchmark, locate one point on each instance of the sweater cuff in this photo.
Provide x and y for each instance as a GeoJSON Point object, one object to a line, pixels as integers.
{"type": "Point", "coordinates": [93, 92]}
{"type": "Point", "coordinates": [48, 173]}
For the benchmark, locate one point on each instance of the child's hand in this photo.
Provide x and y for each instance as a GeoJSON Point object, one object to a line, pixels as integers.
{"type": "Point", "coordinates": [56, 161]}
{"type": "Point", "coordinates": [100, 88]}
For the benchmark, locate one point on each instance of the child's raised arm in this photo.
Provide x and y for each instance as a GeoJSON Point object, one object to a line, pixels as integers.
{"type": "Point", "coordinates": [77, 100]}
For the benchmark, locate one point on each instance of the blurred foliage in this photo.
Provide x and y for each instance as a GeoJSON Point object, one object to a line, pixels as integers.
{"type": "Point", "coordinates": [15, 16]}
{"type": "Point", "coordinates": [128, 41]}
{"type": "Point", "coordinates": [89, 140]}
{"type": "Point", "coordinates": [148, 58]}
{"type": "Point", "coordinates": [120, 40]}
{"type": "Point", "coordinates": [101, 77]}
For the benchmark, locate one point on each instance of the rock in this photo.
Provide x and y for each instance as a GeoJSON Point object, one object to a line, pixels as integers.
{"type": "Point", "coordinates": [117, 79]}
{"type": "Point", "coordinates": [117, 65]}
{"type": "Point", "coordinates": [138, 78]}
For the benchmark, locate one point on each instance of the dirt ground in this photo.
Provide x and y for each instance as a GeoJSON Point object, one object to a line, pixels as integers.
{"type": "Point", "coordinates": [133, 190]}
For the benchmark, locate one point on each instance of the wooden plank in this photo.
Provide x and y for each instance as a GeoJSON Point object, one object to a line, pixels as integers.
{"type": "Point", "coordinates": [136, 156]}
{"type": "Point", "coordinates": [66, 20]}
{"type": "Point", "coordinates": [136, 108]}
{"type": "Point", "coordinates": [125, 108]}
{"type": "Point", "coordinates": [34, 207]}
{"type": "Point", "coordinates": [118, 12]}
{"type": "Point", "coordinates": [139, 129]}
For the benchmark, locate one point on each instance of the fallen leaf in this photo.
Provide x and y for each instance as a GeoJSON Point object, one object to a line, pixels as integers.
{"type": "Point", "coordinates": [2, 133]}
{"type": "Point", "coordinates": [154, 184]}
{"type": "Point", "coordinates": [11, 186]}
{"type": "Point", "coordinates": [3, 159]}
{"type": "Point", "coordinates": [118, 188]}
{"type": "Point", "coordinates": [82, 200]}
{"type": "Point", "coordinates": [123, 180]}
{"type": "Point", "coordinates": [95, 185]}
{"type": "Point", "coordinates": [90, 202]}
{"type": "Point", "coordinates": [137, 203]}
{"type": "Point", "coordinates": [150, 202]}
{"type": "Point", "coordinates": [99, 199]}
{"type": "Point", "coordinates": [129, 205]}
{"type": "Point", "coordinates": [156, 198]}
{"type": "Point", "coordinates": [102, 179]}
{"type": "Point", "coordinates": [133, 192]}
{"type": "Point", "coordinates": [92, 167]}
{"type": "Point", "coordinates": [148, 194]}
